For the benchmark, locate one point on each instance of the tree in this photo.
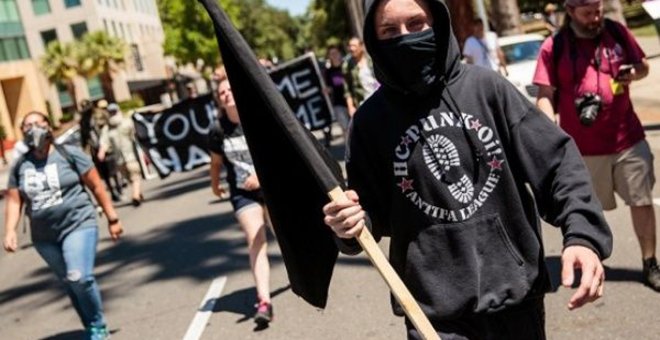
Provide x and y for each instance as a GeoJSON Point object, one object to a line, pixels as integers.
{"type": "Point", "coordinates": [60, 66]}
{"type": "Point", "coordinates": [328, 22]}
{"type": "Point", "coordinates": [506, 17]}
{"type": "Point", "coordinates": [462, 14]}
{"type": "Point", "coordinates": [100, 54]}
{"type": "Point", "coordinates": [189, 33]}
{"type": "Point", "coordinates": [269, 31]}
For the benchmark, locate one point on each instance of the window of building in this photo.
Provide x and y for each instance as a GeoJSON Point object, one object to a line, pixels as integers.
{"type": "Point", "coordinates": [122, 30]}
{"type": "Point", "coordinates": [10, 21]}
{"type": "Point", "coordinates": [71, 3]}
{"type": "Point", "coordinates": [8, 11]}
{"type": "Point", "coordinates": [129, 29]}
{"type": "Point", "coordinates": [48, 36]}
{"type": "Point", "coordinates": [114, 29]}
{"type": "Point", "coordinates": [94, 87]}
{"type": "Point", "coordinates": [13, 49]}
{"type": "Point", "coordinates": [63, 94]}
{"type": "Point", "coordinates": [137, 59]}
{"type": "Point", "coordinates": [79, 29]}
{"type": "Point", "coordinates": [40, 7]}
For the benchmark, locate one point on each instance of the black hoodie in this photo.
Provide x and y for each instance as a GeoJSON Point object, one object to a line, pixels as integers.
{"type": "Point", "coordinates": [447, 176]}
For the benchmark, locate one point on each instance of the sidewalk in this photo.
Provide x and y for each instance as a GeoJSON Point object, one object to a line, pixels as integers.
{"type": "Point", "coordinates": [645, 93]}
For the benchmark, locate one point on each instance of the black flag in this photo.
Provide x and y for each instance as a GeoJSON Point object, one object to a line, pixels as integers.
{"type": "Point", "coordinates": [295, 171]}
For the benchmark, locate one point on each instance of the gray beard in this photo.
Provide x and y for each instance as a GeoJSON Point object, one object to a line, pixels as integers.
{"type": "Point", "coordinates": [583, 32]}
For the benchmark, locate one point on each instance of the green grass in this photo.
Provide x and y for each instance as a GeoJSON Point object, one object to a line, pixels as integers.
{"type": "Point", "coordinates": [644, 31]}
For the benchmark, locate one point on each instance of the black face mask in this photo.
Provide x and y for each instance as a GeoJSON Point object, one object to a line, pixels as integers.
{"type": "Point", "coordinates": [411, 60]}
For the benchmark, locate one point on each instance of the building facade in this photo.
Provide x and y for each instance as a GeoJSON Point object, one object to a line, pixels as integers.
{"type": "Point", "coordinates": [20, 87]}
{"type": "Point", "coordinates": [42, 21]}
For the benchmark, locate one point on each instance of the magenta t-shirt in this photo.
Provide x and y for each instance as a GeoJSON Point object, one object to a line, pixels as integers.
{"type": "Point", "coordinates": [617, 126]}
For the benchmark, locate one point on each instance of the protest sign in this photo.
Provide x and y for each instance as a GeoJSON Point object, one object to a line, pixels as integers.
{"type": "Point", "coordinates": [176, 139]}
{"type": "Point", "coordinates": [301, 83]}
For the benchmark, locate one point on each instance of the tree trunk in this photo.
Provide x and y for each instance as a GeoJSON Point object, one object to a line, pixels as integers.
{"type": "Point", "coordinates": [462, 14]}
{"type": "Point", "coordinates": [355, 16]}
{"type": "Point", "coordinates": [614, 10]}
{"type": "Point", "coordinates": [71, 88]}
{"type": "Point", "coordinates": [506, 17]}
{"type": "Point", "coordinates": [106, 85]}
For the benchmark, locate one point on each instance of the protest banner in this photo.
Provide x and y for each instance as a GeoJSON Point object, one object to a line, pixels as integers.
{"type": "Point", "coordinates": [301, 83]}
{"type": "Point", "coordinates": [175, 139]}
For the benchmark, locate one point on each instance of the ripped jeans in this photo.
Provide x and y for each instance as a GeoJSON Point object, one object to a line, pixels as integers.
{"type": "Point", "coordinates": [72, 260]}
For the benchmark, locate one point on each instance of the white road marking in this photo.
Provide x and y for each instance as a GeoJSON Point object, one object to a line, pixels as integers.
{"type": "Point", "coordinates": [198, 323]}
{"type": "Point", "coordinates": [656, 201]}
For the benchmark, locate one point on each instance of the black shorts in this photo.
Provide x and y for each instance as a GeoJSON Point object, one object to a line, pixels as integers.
{"type": "Point", "coordinates": [241, 199]}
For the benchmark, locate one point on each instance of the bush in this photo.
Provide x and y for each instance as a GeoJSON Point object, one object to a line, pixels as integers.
{"type": "Point", "coordinates": [131, 104]}
{"type": "Point", "coordinates": [66, 117]}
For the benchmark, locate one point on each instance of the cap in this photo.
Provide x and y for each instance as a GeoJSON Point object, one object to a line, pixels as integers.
{"type": "Point", "coordinates": [113, 107]}
{"type": "Point", "coordinates": [580, 3]}
{"type": "Point", "coordinates": [102, 104]}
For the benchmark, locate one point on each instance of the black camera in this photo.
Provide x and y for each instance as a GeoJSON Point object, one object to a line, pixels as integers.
{"type": "Point", "coordinates": [588, 106]}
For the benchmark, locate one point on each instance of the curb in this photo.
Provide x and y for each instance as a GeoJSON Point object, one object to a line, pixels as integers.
{"type": "Point", "coordinates": [652, 127]}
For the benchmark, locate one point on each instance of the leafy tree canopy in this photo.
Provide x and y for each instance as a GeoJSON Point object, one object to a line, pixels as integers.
{"type": "Point", "coordinates": [189, 33]}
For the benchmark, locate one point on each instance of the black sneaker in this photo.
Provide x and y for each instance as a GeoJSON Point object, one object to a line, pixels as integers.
{"type": "Point", "coordinates": [652, 274]}
{"type": "Point", "coordinates": [264, 314]}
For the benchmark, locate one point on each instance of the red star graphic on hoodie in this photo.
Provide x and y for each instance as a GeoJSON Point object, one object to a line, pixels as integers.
{"type": "Point", "coordinates": [405, 185]}
{"type": "Point", "coordinates": [495, 164]}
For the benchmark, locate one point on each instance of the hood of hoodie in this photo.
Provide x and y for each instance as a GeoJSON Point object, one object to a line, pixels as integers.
{"type": "Point", "coordinates": [449, 65]}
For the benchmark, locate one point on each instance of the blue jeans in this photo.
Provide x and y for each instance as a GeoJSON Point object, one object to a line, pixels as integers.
{"type": "Point", "coordinates": [72, 260]}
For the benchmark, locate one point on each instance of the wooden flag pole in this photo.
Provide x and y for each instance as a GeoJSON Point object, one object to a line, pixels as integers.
{"type": "Point", "coordinates": [399, 290]}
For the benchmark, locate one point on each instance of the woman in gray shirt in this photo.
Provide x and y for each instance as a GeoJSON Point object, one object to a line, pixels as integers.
{"type": "Point", "coordinates": [51, 181]}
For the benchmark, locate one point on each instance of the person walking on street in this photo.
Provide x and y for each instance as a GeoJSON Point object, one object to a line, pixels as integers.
{"type": "Point", "coordinates": [589, 66]}
{"type": "Point", "coordinates": [359, 76]}
{"type": "Point", "coordinates": [229, 148]}
{"type": "Point", "coordinates": [119, 139]}
{"type": "Point", "coordinates": [334, 79]}
{"type": "Point", "coordinates": [550, 18]}
{"type": "Point", "coordinates": [93, 123]}
{"type": "Point", "coordinates": [50, 180]}
{"type": "Point", "coordinates": [450, 161]}
{"type": "Point", "coordinates": [483, 49]}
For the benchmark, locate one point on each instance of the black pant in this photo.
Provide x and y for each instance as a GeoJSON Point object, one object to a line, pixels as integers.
{"type": "Point", "coordinates": [523, 322]}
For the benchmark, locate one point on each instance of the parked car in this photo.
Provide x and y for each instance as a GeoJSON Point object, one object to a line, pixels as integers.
{"type": "Point", "coordinates": [521, 52]}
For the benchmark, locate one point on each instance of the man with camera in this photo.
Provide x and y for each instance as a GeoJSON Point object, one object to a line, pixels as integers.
{"type": "Point", "coordinates": [583, 73]}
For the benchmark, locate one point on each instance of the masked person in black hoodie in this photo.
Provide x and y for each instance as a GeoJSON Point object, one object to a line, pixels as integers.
{"type": "Point", "coordinates": [440, 159]}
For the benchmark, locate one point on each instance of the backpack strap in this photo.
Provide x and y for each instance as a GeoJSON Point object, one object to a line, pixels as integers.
{"type": "Point", "coordinates": [67, 155]}
{"type": "Point", "coordinates": [72, 162]}
{"type": "Point", "coordinates": [17, 166]}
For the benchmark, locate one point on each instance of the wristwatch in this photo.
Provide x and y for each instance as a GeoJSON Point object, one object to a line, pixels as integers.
{"type": "Point", "coordinates": [113, 221]}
